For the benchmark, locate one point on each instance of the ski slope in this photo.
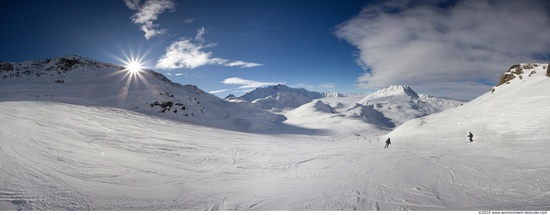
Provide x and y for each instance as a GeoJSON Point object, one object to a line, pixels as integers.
{"type": "Point", "coordinates": [56, 156]}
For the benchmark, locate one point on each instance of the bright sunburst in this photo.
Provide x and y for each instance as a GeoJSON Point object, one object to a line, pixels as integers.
{"type": "Point", "coordinates": [133, 73]}
{"type": "Point", "coordinates": [134, 66]}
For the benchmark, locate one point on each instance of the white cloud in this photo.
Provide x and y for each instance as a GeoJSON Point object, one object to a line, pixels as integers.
{"type": "Point", "coordinates": [149, 12]}
{"type": "Point", "coordinates": [200, 35]}
{"type": "Point", "coordinates": [248, 84]}
{"type": "Point", "coordinates": [243, 64]}
{"type": "Point", "coordinates": [327, 86]}
{"type": "Point", "coordinates": [178, 74]}
{"type": "Point", "coordinates": [186, 53]}
{"type": "Point", "coordinates": [218, 91]}
{"type": "Point", "coordinates": [316, 87]}
{"type": "Point", "coordinates": [445, 50]}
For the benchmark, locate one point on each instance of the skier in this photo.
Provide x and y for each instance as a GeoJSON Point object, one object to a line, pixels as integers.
{"type": "Point", "coordinates": [471, 136]}
{"type": "Point", "coordinates": [388, 142]}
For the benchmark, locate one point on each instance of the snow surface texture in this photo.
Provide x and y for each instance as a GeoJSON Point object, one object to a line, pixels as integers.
{"type": "Point", "coordinates": [56, 156]}
{"type": "Point", "coordinates": [82, 156]}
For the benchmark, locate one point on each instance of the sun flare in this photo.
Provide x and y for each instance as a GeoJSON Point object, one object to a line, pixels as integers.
{"type": "Point", "coordinates": [134, 67]}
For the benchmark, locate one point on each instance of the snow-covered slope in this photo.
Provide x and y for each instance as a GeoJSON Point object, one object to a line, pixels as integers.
{"type": "Point", "coordinates": [78, 80]}
{"type": "Point", "coordinates": [319, 114]}
{"type": "Point", "coordinates": [517, 108]}
{"type": "Point", "coordinates": [57, 156]}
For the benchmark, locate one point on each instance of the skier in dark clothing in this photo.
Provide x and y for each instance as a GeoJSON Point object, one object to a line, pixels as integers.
{"type": "Point", "coordinates": [388, 142]}
{"type": "Point", "coordinates": [471, 136]}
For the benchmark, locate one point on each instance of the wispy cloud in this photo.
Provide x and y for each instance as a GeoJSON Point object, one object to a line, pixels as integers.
{"type": "Point", "coordinates": [190, 54]}
{"type": "Point", "coordinates": [446, 48]}
{"type": "Point", "coordinates": [326, 86]}
{"type": "Point", "coordinates": [219, 91]}
{"type": "Point", "coordinates": [189, 20]}
{"type": "Point", "coordinates": [200, 35]}
{"type": "Point", "coordinates": [248, 84]}
{"type": "Point", "coordinates": [149, 12]}
{"type": "Point", "coordinates": [132, 4]}
{"type": "Point", "coordinates": [243, 64]}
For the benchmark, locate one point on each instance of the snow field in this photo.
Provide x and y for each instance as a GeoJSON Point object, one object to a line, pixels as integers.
{"type": "Point", "coordinates": [56, 156]}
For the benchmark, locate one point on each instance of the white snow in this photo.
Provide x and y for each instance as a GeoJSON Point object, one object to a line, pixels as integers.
{"type": "Point", "coordinates": [91, 155]}
{"type": "Point", "coordinates": [56, 156]}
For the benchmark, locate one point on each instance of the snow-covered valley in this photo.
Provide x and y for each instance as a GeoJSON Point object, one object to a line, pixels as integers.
{"type": "Point", "coordinates": [61, 153]}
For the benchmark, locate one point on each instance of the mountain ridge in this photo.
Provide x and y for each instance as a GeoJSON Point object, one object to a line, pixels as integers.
{"type": "Point", "coordinates": [78, 80]}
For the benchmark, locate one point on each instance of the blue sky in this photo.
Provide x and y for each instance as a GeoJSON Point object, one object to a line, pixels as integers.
{"type": "Point", "coordinates": [445, 48]}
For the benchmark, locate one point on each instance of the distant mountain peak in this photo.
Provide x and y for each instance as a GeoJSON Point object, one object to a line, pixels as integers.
{"type": "Point", "coordinates": [401, 103]}
{"type": "Point", "coordinates": [230, 96]}
{"type": "Point", "coordinates": [332, 95]}
{"type": "Point", "coordinates": [279, 97]}
{"type": "Point", "coordinates": [396, 90]}
{"type": "Point", "coordinates": [263, 92]}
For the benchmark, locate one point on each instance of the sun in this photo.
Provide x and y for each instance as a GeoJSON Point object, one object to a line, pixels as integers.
{"type": "Point", "coordinates": [134, 66]}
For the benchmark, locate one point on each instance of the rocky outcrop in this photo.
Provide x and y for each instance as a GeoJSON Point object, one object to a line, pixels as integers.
{"type": "Point", "coordinates": [4, 66]}
{"type": "Point", "coordinates": [510, 74]}
{"type": "Point", "coordinates": [519, 71]}
{"type": "Point", "coordinates": [522, 71]}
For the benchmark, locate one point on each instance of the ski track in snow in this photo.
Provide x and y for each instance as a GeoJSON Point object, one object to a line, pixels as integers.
{"type": "Point", "coordinates": [56, 156]}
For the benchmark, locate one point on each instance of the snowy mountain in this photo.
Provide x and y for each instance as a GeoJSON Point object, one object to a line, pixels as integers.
{"type": "Point", "coordinates": [78, 80]}
{"type": "Point", "coordinates": [515, 108]}
{"type": "Point", "coordinates": [263, 92]}
{"type": "Point", "coordinates": [278, 97]}
{"type": "Point", "coordinates": [332, 95]}
{"type": "Point", "coordinates": [282, 100]}
{"type": "Point", "coordinates": [402, 90]}
{"type": "Point", "coordinates": [382, 110]}
{"type": "Point", "coordinates": [402, 103]}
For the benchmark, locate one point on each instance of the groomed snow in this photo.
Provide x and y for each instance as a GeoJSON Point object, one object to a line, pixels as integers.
{"type": "Point", "coordinates": [56, 156]}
